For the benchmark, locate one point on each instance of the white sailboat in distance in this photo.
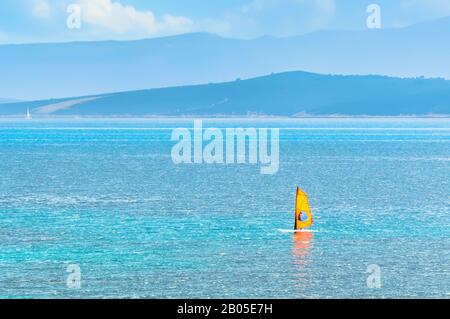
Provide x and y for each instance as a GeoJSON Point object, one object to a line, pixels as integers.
{"type": "Point", "coordinates": [28, 114]}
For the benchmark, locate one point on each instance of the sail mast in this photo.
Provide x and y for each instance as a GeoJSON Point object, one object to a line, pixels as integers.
{"type": "Point", "coordinates": [296, 212]}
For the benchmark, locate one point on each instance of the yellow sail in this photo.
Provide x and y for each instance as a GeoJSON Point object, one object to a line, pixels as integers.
{"type": "Point", "coordinates": [303, 215]}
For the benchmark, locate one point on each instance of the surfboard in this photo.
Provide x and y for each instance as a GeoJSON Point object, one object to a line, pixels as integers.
{"type": "Point", "coordinates": [297, 231]}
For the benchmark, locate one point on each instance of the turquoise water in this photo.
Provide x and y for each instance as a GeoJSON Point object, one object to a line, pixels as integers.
{"type": "Point", "coordinates": [105, 195]}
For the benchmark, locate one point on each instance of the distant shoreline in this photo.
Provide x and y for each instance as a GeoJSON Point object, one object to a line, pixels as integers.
{"type": "Point", "coordinates": [246, 118]}
{"type": "Point", "coordinates": [294, 94]}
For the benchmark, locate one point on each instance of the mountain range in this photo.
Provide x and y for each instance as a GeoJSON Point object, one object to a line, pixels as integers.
{"type": "Point", "coordinates": [58, 70]}
{"type": "Point", "coordinates": [284, 94]}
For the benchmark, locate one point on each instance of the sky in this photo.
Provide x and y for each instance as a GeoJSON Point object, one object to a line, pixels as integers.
{"type": "Point", "coordinates": [34, 21]}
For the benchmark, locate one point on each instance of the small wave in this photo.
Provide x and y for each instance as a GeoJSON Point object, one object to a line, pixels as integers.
{"type": "Point", "coordinates": [74, 200]}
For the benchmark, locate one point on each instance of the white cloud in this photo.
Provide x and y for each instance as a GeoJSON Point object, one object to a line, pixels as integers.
{"type": "Point", "coordinates": [112, 17]}
{"type": "Point", "coordinates": [3, 38]}
{"type": "Point", "coordinates": [41, 9]}
{"type": "Point", "coordinates": [115, 19]}
{"type": "Point", "coordinates": [279, 17]}
{"type": "Point", "coordinates": [176, 24]}
{"type": "Point", "coordinates": [257, 5]}
{"type": "Point", "coordinates": [326, 6]}
{"type": "Point", "coordinates": [440, 6]}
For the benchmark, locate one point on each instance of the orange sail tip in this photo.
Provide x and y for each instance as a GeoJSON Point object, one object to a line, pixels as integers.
{"type": "Point", "coordinates": [303, 215]}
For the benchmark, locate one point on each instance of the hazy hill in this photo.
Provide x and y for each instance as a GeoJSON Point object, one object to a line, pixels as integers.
{"type": "Point", "coordinates": [284, 94]}
{"type": "Point", "coordinates": [38, 71]}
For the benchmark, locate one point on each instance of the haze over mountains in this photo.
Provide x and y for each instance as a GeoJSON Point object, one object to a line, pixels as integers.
{"type": "Point", "coordinates": [42, 71]}
{"type": "Point", "coordinates": [284, 94]}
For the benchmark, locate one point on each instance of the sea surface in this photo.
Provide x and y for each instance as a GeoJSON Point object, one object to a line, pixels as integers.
{"type": "Point", "coordinates": [105, 196]}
